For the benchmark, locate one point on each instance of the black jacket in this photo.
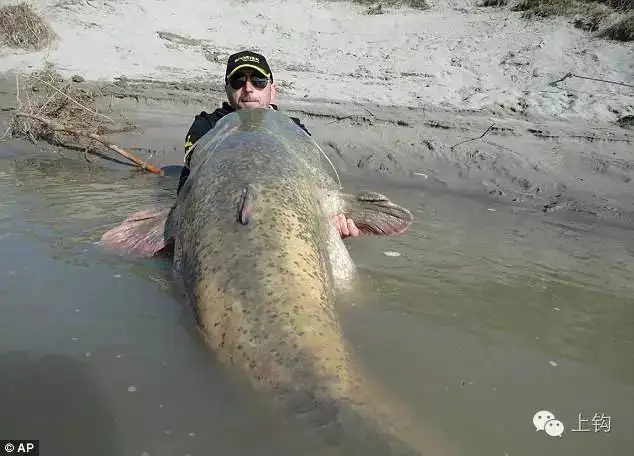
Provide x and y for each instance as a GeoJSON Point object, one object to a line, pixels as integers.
{"type": "Point", "coordinates": [204, 122]}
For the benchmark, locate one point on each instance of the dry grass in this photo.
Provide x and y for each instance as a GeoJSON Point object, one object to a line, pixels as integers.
{"type": "Point", "coordinates": [622, 30]}
{"type": "Point", "coordinates": [621, 5]}
{"type": "Point", "coordinates": [22, 28]}
{"type": "Point", "coordinates": [64, 113]}
{"type": "Point", "coordinates": [563, 7]}
{"type": "Point", "coordinates": [47, 94]}
{"type": "Point", "coordinates": [589, 15]}
{"type": "Point", "coordinates": [377, 4]}
{"type": "Point", "coordinates": [494, 3]}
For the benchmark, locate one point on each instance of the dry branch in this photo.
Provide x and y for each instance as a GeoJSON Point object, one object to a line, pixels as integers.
{"type": "Point", "coordinates": [64, 113]}
{"type": "Point", "coordinates": [572, 75]}
{"type": "Point", "coordinates": [473, 139]}
{"type": "Point", "coordinates": [57, 127]}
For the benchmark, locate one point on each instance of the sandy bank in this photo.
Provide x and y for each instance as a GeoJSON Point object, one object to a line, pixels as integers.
{"type": "Point", "coordinates": [456, 55]}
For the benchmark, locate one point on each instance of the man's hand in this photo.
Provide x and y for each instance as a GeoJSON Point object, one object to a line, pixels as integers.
{"type": "Point", "coordinates": [345, 227]}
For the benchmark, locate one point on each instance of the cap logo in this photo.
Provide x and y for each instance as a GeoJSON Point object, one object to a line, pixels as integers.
{"type": "Point", "coordinates": [248, 58]}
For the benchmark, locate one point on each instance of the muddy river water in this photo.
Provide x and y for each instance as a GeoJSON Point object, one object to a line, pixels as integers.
{"type": "Point", "coordinates": [488, 315]}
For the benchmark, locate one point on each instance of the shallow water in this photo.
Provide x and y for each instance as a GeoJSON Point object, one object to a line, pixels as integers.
{"type": "Point", "coordinates": [487, 316]}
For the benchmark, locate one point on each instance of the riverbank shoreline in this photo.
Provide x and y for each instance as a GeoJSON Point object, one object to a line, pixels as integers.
{"type": "Point", "coordinates": [456, 97]}
{"type": "Point", "coordinates": [553, 166]}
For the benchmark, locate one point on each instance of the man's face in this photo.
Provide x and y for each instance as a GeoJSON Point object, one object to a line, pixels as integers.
{"type": "Point", "coordinates": [249, 95]}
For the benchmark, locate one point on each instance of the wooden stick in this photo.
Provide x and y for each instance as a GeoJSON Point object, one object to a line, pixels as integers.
{"type": "Point", "coordinates": [473, 139]}
{"type": "Point", "coordinates": [572, 75]}
{"type": "Point", "coordinates": [57, 127]}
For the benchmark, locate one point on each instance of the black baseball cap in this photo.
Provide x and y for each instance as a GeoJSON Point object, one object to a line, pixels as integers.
{"type": "Point", "coordinates": [248, 59]}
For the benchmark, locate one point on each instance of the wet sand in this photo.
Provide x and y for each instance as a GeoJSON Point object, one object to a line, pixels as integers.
{"type": "Point", "coordinates": [580, 170]}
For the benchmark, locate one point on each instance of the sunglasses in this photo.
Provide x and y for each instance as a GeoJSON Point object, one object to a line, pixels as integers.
{"type": "Point", "coordinates": [239, 79]}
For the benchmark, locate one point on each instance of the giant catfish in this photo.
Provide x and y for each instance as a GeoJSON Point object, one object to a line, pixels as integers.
{"type": "Point", "coordinates": [262, 264]}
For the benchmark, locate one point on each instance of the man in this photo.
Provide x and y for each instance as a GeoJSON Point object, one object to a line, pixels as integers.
{"type": "Point", "coordinates": [248, 85]}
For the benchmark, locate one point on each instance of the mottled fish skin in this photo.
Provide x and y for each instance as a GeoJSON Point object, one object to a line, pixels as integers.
{"type": "Point", "coordinates": [264, 291]}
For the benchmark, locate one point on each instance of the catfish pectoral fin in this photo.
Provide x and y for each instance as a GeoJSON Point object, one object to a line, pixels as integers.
{"type": "Point", "coordinates": [375, 214]}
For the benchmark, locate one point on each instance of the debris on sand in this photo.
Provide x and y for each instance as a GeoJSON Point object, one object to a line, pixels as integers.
{"type": "Point", "coordinates": [414, 4]}
{"type": "Point", "coordinates": [589, 15]}
{"type": "Point", "coordinates": [622, 30]}
{"type": "Point", "coordinates": [47, 94]}
{"type": "Point", "coordinates": [23, 28]}
{"type": "Point", "coordinates": [493, 3]}
{"type": "Point", "coordinates": [64, 113]}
